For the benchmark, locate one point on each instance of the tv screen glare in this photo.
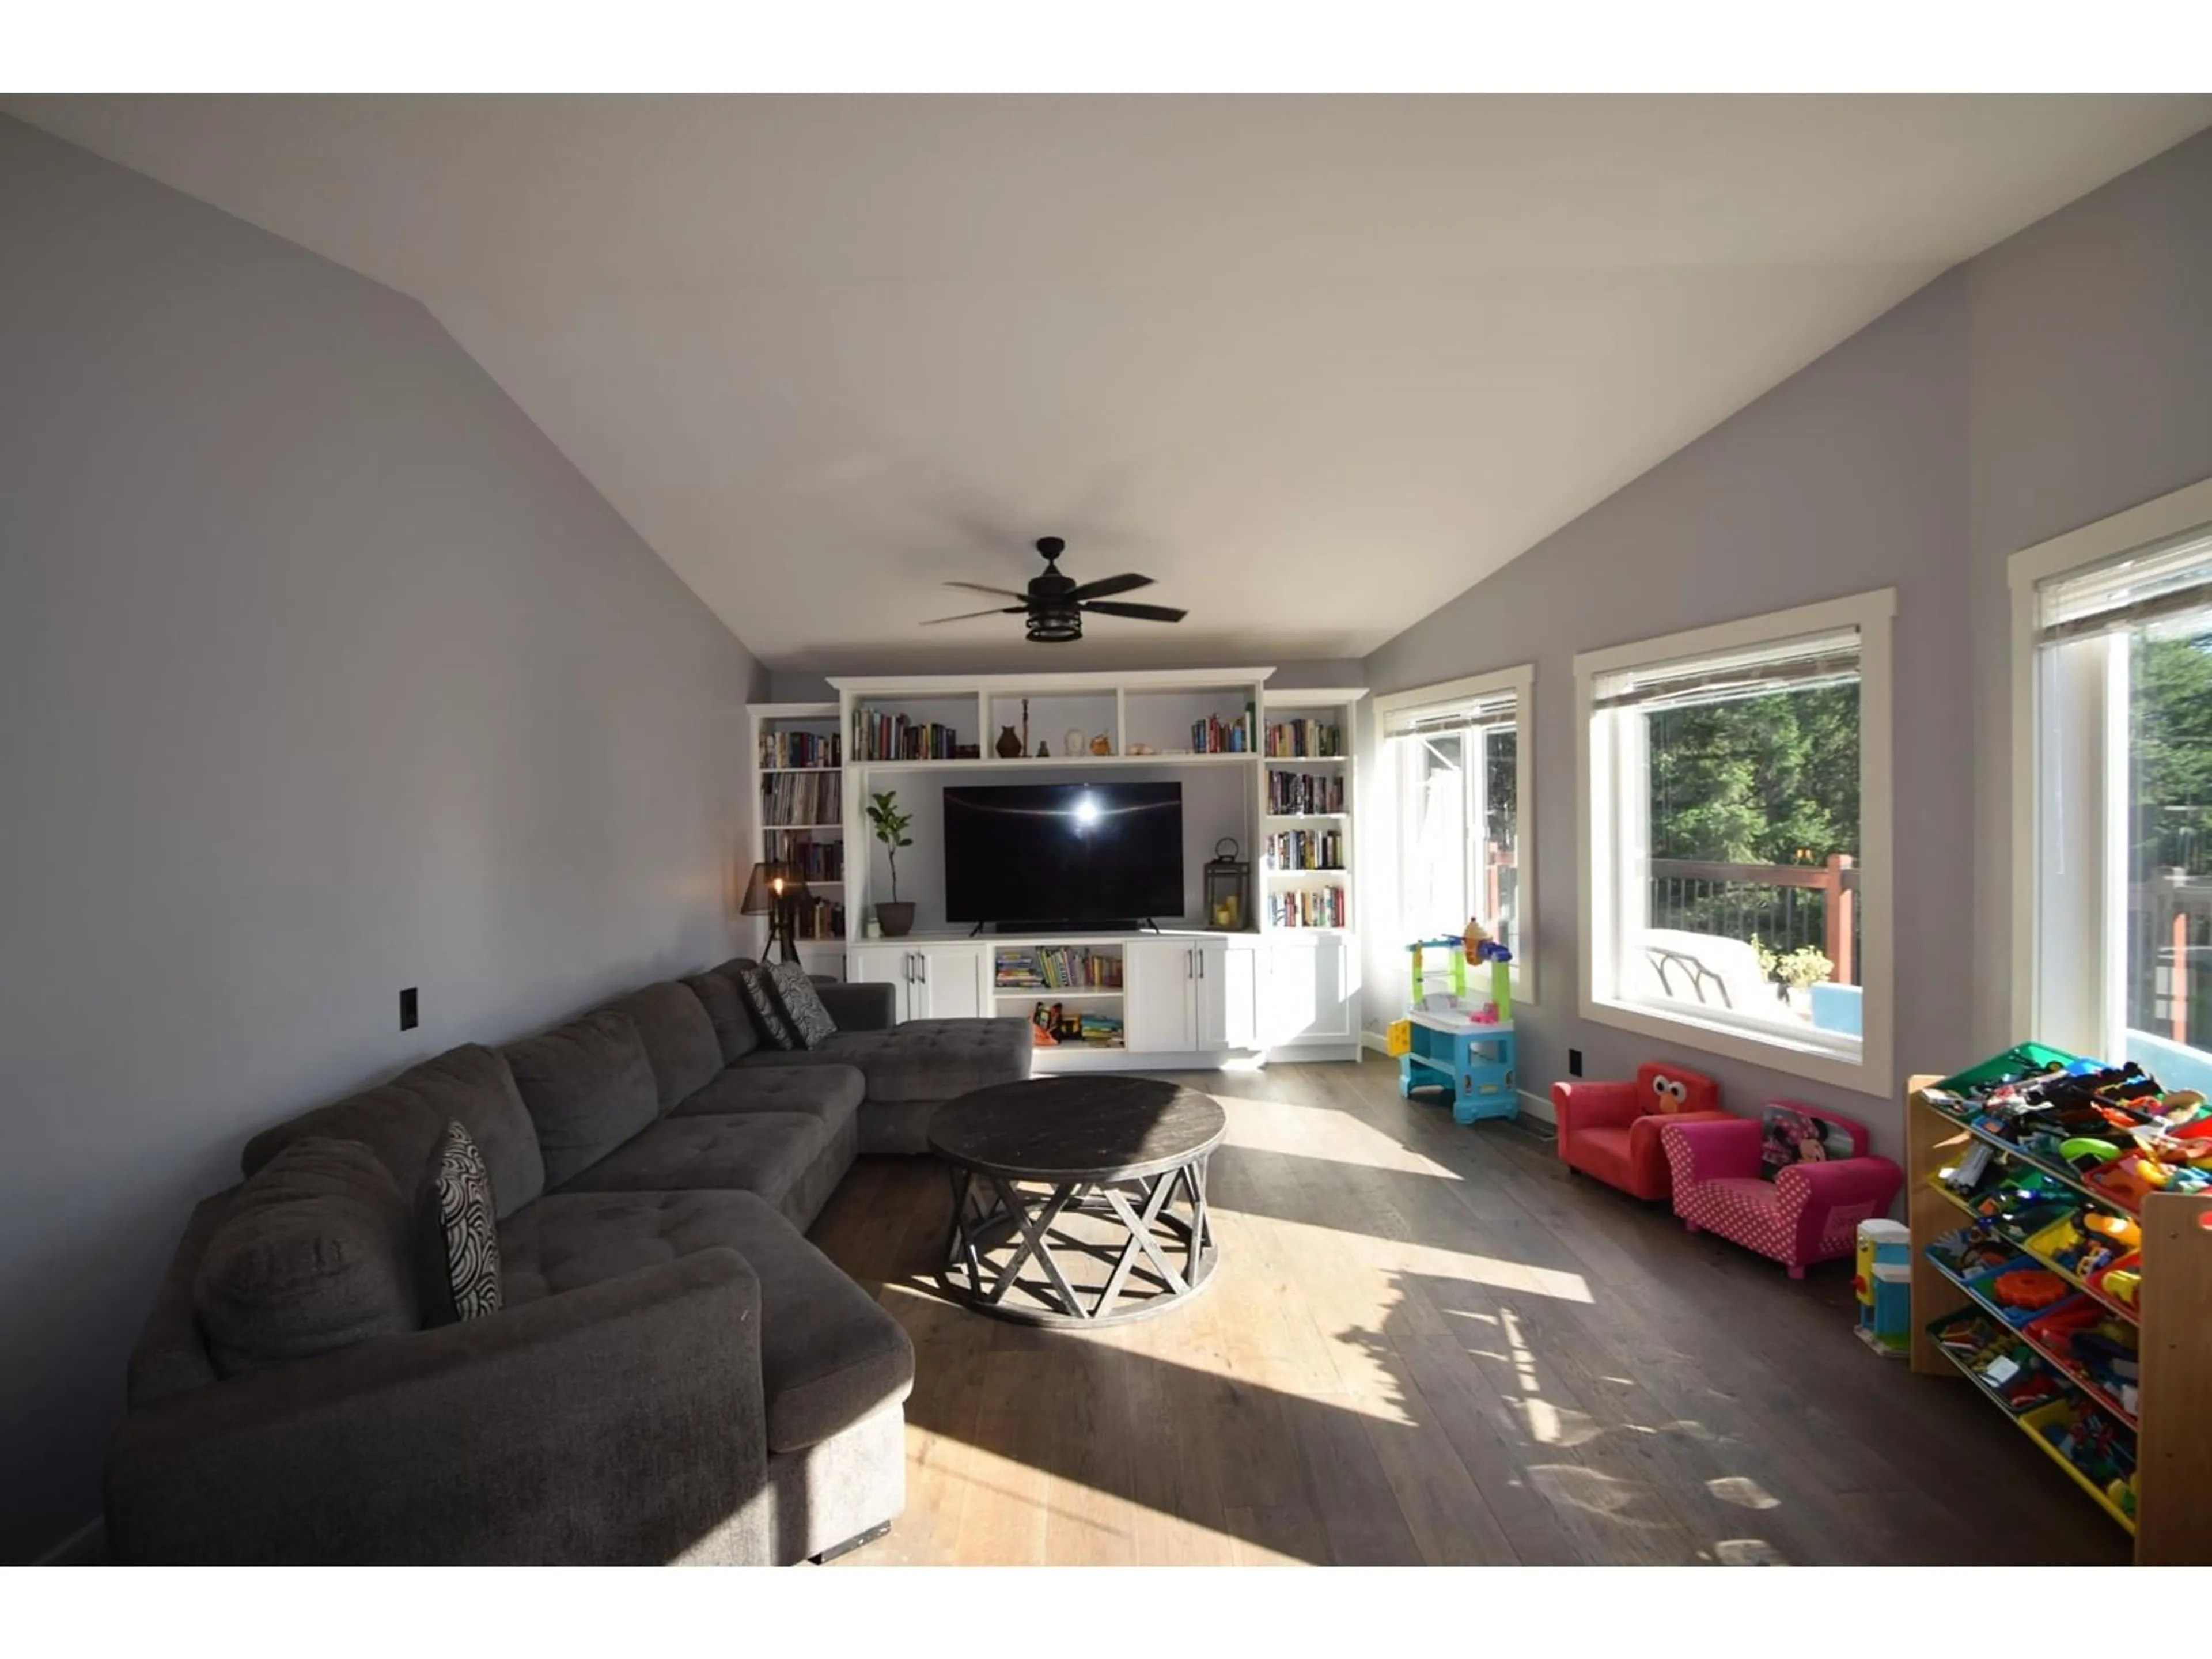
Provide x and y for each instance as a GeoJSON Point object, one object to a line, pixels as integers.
{"type": "Point", "coordinates": [1090, 853]}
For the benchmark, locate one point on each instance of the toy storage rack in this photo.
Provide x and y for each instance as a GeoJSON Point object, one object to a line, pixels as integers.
{"type": "Point", "coordinates": [2172, 1524]}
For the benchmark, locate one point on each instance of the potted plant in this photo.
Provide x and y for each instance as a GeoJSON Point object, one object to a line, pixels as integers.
{"type": "Point", "coordinates": [890, 826]}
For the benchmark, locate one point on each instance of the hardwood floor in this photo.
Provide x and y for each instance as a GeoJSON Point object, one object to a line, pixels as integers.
{"type": "Point", "coordinates": [1427, 1343]}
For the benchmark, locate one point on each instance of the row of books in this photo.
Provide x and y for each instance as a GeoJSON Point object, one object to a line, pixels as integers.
{"type": "Point", "coordinates": [796, 798]}
{"type": "Point", "coordinates": [1305, 850]}
{"type": "Point", "coordinates": [817, 860]}
{"type": "Point", "coordinates": [783, 750]}
{"type": "Point", "coordinates": [1304, 791]}
{"type": "Point", "coordinates": [1315, 907]}
{"type": "Point", "coordinates": [1057, 968]}
{"type": "Point", "coordinates": [879, 736]}
{"type": "Point", "coordinates": [817, 918]}
{"type": "Point", "coordinates": [1215, 736]}
{"type": "Point", "coordinates": [1087, 1029]}
{"type": "Point", "coordinates": [1302, 739]}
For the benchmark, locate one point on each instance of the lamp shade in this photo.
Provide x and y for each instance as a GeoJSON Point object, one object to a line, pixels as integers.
{"type": "Point", "coordinates": [761, 891]}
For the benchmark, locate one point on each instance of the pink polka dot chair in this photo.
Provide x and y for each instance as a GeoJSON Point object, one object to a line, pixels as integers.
{"type": "Point", "coordinates": [1793, 1184]}
{"type": "Point", "coordinates": [1611, 1130]}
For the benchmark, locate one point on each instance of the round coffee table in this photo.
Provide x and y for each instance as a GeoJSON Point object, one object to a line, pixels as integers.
{"type": "Point", "coordinates": [1095, 1185]}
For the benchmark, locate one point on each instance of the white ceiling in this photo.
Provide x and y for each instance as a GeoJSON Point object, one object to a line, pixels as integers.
{"type": "Point", "coordinates": [1317, 364]}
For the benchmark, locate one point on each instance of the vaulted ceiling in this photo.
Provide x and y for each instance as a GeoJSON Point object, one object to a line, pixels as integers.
{"type": "Point", "coordinates": [1317, 364]}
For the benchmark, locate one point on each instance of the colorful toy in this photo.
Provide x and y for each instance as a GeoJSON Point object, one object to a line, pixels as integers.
{"type": "Point", "coordinates": [1884, 1285]}
{"type": "Point", "coordinates": [1611, 1129]}
{"type": "Point", "coordinates": [2029, 1287]}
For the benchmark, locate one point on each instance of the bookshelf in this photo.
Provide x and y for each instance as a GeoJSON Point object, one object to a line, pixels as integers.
{"type": "Point", "coordinates": [1221, 732]}
{"type": "Point", "coordinates": [799, 790]}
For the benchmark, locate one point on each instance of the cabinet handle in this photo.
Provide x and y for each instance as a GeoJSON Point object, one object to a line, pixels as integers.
{"type": "Point", "coordinates": [921, 963]}
{"type": "Point", "coordinates": [1200, 955]}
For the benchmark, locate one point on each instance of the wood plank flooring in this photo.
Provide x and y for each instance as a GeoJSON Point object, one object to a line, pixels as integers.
{"type": "Point", "coordinates": [1427, 1343]}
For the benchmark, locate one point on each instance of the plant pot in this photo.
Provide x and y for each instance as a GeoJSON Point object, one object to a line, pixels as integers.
{"type": "Point", "coordinates": [897, 920]}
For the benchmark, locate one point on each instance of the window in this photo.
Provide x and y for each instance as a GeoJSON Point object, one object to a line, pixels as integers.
{"type": "Point", "coordinates": [1456, 759]}
{"type": "Point", "coordinates": [1735, 839]}
{"type": "Point", "coordinates": [2115, 625]}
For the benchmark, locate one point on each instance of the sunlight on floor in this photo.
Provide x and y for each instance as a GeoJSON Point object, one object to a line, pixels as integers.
{"type": "Point", "coordinates": [1742, 1491]}
{"type": "Point", "coordinates": [1346, 1140]}
{"type": "Point", "coordinates": [1391, 1256]}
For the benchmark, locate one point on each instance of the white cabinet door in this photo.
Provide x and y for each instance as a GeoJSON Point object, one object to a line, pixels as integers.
{"type": "Point", "coordinates": [1335, 1019]}
{"type": "Point", "coordinates": [950, 982]}
{"type": "Point", "coordinates": [1211, 993]}
{"type": "Point", "coordinates": [1287, 1004]}
{"type": "Point", "coordinates": [1236, 992]}
{"type": "Point", "coordinates": [885, 965]}
{"type": "Point", "coordinates": [1159, 1015]}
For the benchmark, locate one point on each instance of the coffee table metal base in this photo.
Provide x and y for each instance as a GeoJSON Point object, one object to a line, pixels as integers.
{"type": "Point", "coordinates": [1152, 1236]}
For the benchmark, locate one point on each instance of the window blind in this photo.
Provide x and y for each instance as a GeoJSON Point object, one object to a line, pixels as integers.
{"type": "Point", "coordinates": [2167, 583]}
{"type": "Point", "coordinates": [1460, 715]}
{"type": "Point", "coordinates": [1756, 671]}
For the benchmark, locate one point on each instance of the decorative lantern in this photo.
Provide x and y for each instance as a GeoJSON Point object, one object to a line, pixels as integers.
{"type": "Point", "coordinates": [1228, 888]}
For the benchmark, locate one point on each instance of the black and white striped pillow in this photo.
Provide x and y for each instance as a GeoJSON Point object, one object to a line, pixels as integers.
{"type": "Point", "coordinates": [463, 1187]}
{"type": "Point", "coordinates": [767, 1013]}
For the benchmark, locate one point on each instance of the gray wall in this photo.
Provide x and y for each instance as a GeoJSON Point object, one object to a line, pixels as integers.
{"type": "Point", "coordinates": [2058, 378]}
{"type": "Point", "coordinates": [324, 675]}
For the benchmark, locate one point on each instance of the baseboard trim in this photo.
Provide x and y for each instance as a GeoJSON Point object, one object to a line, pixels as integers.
{"type": "Point", "coordinates": [1539, 1107]}
{"type": "Point", "coordinates": [1376, 1041]}
{"type": "Point", "coordinates": [85, 1547]}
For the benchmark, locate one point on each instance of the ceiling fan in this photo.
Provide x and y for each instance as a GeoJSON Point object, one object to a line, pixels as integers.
{"type": "Point", "coordinates": [1054, 604]}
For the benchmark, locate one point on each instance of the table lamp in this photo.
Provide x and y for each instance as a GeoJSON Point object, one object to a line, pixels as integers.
{"type": "Point", "coordinates": [774, 891]}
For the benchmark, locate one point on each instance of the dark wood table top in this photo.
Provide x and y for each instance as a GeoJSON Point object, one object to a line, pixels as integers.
{"type": "Point", "coordinates": [1077, 1128]}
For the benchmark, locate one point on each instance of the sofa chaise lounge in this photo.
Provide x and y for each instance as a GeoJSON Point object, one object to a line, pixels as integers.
{"type": "Point", "coordinates": [676, 1373]}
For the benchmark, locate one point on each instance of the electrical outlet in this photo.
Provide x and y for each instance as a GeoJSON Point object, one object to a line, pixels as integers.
{"type": "Point", "coordinates": [409, 1013]}
{"type": "Point", "coordinates": [1574, 1062]}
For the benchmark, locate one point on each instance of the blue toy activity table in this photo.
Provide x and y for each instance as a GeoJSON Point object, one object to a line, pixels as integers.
{"type": "Point", "coordinates": [1475, 1062]}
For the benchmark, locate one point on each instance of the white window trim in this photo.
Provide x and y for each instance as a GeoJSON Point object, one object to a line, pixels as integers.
{"type": "Point", "coordinates": [1870, 1072]}
{"type": "Point", "coordinates": [2154, 520]}
{"type": "Point", "coordinates": [1521, 680]}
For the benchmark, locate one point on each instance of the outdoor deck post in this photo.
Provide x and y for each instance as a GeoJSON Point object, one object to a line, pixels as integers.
{"type": "Point", "coordinates": [1836, 913]}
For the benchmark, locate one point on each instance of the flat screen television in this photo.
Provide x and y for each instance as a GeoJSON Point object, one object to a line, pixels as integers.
{"type": "Point", "coordinates": [1086, 853]}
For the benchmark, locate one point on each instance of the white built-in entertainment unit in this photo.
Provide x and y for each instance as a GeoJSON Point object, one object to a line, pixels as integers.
{"type": "Point", "coordinates": [1272, 770]}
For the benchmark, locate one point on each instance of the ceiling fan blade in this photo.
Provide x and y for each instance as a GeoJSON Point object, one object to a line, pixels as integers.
{"type": "Point", "coordinates": [1002, 592]}
{"type": "Point", "coordinates": [1106, 585]}
{"type": "Point", "coordinates": [970, 616]}
{"type": "Point", "coordinates": [1141, 612]}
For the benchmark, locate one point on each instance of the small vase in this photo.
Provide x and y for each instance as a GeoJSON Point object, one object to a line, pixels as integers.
{"type": "Point", "coordinates": [1009, 744]}
{"type": "Point", "coordinates": [897, 919]}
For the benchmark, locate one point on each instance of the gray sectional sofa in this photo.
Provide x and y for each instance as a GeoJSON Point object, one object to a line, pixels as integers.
{"type": "Point", "coordinates": [677, 1374]}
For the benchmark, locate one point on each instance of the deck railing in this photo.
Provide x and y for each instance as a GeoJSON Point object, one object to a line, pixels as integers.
{"type": "Point", "coordinates": [1785, 905]}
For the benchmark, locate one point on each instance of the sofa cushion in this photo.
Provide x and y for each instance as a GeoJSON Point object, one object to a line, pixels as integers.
{"type": "Point", "coordinates": [403, 1123]}
{"type": "Point", "coordinates": [829, 1356]}
{"type": "Point", "coordinates": [725, 1009]}
{"type": "Point", "coordinates": [313, 1253]}
{"type": "Point", "coordinates": [466, 1225]}
{"type": "Point", "coordinates": [923, 1059]}
{"type": "Point", "coordinates": [800, 1004]}
{"type": "Point", "coordinates": [832, 1093]}
{"type": "Point", "coordinates": [589, 1087]}
{"type": "Point", "coordinates": [760, 1002]}
{"type": "Point", "coordinates": [679, 1038]}
{"type": "Point", "coordinates": [472, 1085]}
{"type": "Point", "coordinates": [395, 1124]}
{"type": "Point", "coordinates": [765, 1152]}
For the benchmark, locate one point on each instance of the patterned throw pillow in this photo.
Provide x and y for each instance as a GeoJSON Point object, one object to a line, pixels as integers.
{"type": "Point", "coordinates": [463, 1187]}
{"type": "Point", "coordinates": [767, 1013]}
{"type": "Point", "coordinates": [801, 1003]}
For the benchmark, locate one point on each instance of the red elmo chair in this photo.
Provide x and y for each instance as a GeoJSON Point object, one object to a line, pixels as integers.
{"type": "Point", "coordinates": [1611, 1130]}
